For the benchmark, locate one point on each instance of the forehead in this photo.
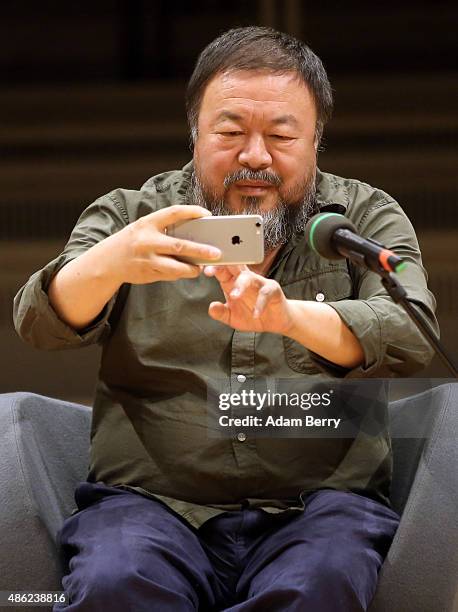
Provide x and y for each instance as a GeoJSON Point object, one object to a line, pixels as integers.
{"type": "Point", "coordinates": [251, 92]}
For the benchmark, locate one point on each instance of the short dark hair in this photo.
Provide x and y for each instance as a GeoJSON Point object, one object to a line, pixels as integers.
{"type": "Point", "coordinates": [264, 49]}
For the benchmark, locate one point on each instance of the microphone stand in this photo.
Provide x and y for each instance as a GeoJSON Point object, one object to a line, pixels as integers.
{"type": "Point", "coordinates": [399, 296]}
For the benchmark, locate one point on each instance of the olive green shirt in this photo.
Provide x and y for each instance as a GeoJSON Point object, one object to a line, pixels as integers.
{"type": "Point", "coordinates": [161, 349]}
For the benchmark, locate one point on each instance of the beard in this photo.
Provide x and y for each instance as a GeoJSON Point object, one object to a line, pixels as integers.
{"type": "Point", "coordinates": [287, 217]}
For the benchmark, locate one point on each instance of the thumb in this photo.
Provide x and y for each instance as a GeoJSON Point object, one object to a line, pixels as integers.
{"type": "Point", "coordinates": [219, 312]}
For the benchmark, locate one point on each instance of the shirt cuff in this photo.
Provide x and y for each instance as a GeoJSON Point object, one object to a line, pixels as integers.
{"type": "Point", "coordinates": [37, 322]}
{"type": "Point", "coordinates": [364, 323]}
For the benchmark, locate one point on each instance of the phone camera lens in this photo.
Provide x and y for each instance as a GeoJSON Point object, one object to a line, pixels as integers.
{"type": "Point", "coordinates": [258, 224]}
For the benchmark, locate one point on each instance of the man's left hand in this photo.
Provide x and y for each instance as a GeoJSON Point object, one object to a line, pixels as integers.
{"type": "Point", "coordinates": [253, 302]}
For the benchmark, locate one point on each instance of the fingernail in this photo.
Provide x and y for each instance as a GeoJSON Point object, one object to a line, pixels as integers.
{"type": "Point", "coordinates": [214, 253]}
{"type": "Point", "coordinates": [235, 293]}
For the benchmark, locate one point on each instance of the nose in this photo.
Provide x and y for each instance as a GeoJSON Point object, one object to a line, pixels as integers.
{"type": "Point", "coordinates": [254, 154]}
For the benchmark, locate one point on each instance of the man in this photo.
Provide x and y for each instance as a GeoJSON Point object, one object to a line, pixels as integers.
{"type": "Point", "coordinates": [171, 518]}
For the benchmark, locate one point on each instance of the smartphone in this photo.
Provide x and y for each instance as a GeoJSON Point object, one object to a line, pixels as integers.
{"type": "Point", "coordinates": [239, 237]}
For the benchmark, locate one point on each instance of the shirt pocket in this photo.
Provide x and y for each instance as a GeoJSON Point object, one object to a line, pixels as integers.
{"type": "Point", "coordinates": [327, 285]}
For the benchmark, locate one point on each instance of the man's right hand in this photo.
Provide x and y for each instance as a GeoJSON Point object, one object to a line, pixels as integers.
{"type": "Point", "coordinates": [140, 253]}
{"type": "Point", "coordinates": [143, 253]}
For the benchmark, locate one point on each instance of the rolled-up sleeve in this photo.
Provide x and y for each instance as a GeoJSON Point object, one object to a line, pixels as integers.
{"type": "Point", "coordinates": [391, 342]}
{"type": "Point", "coordinates": [34, 318]}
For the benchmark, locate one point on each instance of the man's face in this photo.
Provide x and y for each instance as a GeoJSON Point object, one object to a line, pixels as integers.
{"type": "Point", "coordinates": [255, 149]}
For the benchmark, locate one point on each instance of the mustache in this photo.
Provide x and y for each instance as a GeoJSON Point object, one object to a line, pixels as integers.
{"type": "Point", "coordinates": [245, 174]}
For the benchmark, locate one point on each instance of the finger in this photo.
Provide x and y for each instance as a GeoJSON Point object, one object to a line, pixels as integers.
{"type": "Point", "coordinates": [261, 301]}
{"type": "Point", "coordinates": [209, 270]}
{"type": "Point", "coordinates": [170, 268]}
{"type": "Point", "coordinates": [178, 247]}
{"type": "Point", "coordinates": [245, 282]}
{"type": "Point", "coordinates": [219, 312]}
{"type": "Point", "coordinates": [177, 212]}
{"type": "Point", "coordinates": [237, 269]}
{"type": "Point", "coordinates": [267, 293]}
{"type": "Point", "coordinates": [221, 273]}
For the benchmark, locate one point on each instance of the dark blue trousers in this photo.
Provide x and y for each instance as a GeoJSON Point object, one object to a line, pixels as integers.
{"type": "Point", "coordinates": [128, 553]}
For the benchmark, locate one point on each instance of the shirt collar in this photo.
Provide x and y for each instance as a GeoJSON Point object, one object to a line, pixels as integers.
{"type": "Point", "coordinates": [331, 195]}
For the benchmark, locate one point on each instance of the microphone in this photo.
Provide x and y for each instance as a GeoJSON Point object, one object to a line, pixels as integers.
{"type": "Point", "coordinates": [333, 236]}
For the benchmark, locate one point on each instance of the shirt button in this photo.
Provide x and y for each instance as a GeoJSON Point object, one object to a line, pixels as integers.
{"type": "Point", "coordinates": [319, 297]}
{"type": "Point", "coordinates": [241, 437]}
{"type": "Point", "coordinates": [241, 378]}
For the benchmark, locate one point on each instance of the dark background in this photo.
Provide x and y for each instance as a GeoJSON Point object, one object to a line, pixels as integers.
{"type": "Point", "coordinates": [91, 98]}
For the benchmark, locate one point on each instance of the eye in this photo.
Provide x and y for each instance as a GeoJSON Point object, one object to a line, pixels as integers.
{"type": "Point", "coordinates": [281, 137]}
{"type": "Point", "coordinates": [231, 133]}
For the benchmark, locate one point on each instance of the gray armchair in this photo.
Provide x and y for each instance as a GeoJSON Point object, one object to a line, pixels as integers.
{"type": "Point", "coordinates": [44, 454]}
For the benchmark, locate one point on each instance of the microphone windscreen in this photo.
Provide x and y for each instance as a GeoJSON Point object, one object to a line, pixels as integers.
{"type": "Point", "coordinates": [320, 230]}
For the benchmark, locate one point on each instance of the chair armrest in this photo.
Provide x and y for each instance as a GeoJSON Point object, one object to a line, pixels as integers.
{"type": "Point", "coordinates": [44, 447]}
{"type": "Point", "coordinates": [420, 573]}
